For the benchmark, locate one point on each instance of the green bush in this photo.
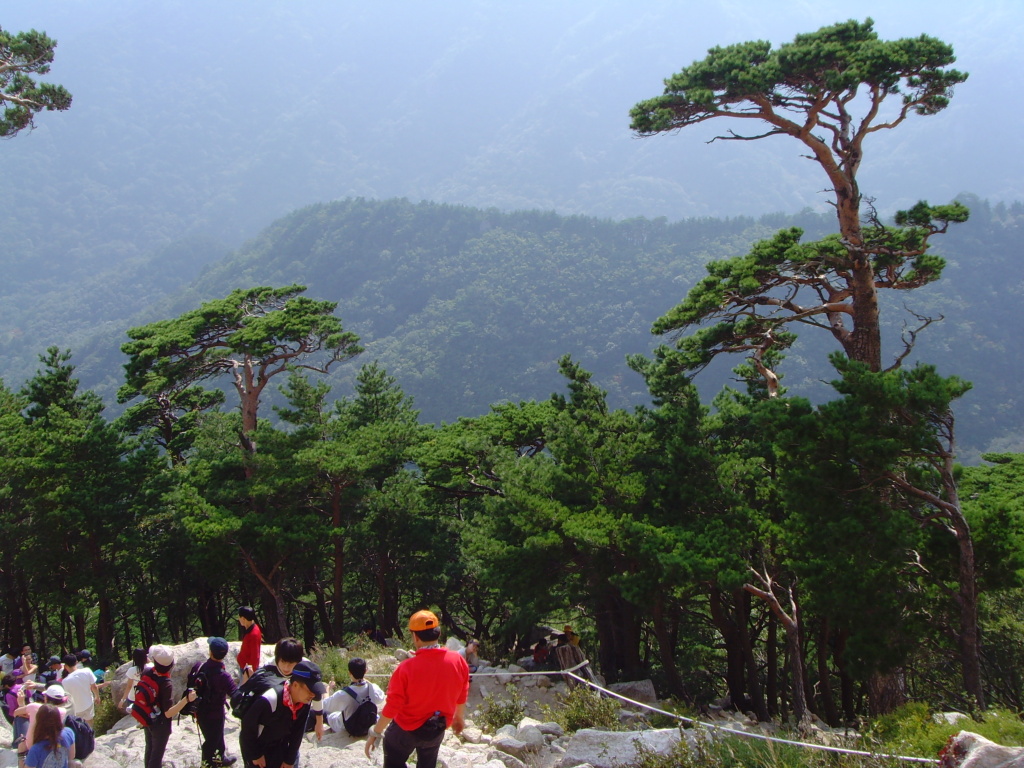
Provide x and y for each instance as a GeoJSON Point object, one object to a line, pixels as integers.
{"type": "Point", "coordinates": [912, 731]}
{"type": "Point", "coordinates": [582, 707]}
{"type": "Point", "coordinates": [506, 711]}
{"type": "Point", "coordinates": [107, 715]}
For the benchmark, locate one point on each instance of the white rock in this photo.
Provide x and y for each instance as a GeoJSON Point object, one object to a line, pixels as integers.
{"type": "Point", "coordinates": [506, 730]}
{"type": "Point", "coordinates": [401, 654]}
{"type": "Point", "coordinates": [474, 735]}
{"type": "Point", "coordinates": [507, 760]}
{"type": "Point", "coordinates": [951, 718]}
{"type": "Point", "coordinates": [515, 747]}
{"type": "Point", "coordinates": [637, 690]}
{"type": "Point", "coordinates": [531, 735]}
{"type": "Point", "coordinates": [608, 749]}
{"type": "Point", "coordinates": [969, 750]}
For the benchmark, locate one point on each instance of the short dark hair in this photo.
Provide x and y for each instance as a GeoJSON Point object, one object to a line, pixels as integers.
{"type": "Point", "coordinates": [428, 635]}
{"type": "Point", "coordinates": [288, 649]}
{"type": "Point", "coordinates": [69, 660]}
{"type": "Point", "coordinates": [357, 668]}
{"type": "Point", "coordinates": [246, 612]}
{"type": "Point", "coordinates": [7, 681]}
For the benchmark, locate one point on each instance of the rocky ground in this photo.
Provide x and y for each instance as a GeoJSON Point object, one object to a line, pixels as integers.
{"type": "Point", "coordinates": [534, 741]}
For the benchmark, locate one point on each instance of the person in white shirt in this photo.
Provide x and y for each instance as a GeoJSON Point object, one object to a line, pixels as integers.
{"type": "Point", "coordinates": [80, 683]}
{"type": "Point", "coordinates": [341, 704]}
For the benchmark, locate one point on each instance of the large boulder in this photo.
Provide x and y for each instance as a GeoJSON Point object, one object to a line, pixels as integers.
{"type": "Point", "coordinates": [610, 749]}
{"type": "Point", "coordinates": [969, 750]}
{"type": "Point", "coordinates": [637, 690]}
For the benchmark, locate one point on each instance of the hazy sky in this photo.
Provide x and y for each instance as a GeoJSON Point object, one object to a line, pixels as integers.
{"type": "Point", "coordinates": [456, 101]}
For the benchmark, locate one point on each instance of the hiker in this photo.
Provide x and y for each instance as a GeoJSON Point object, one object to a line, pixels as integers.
{"type": "Point", "coordinates": [471, 655]}
{"type": "Point", "coordinates": [274, 724]}
{"type": "Point", "coordinates": [252, 639]}
{"type": "Point", "coordinates": [374, 634]}
{"type": "Point", "coordinates": [287, 653]}
{"type": "Point", "coordinates": [80, 683]}
{"type": "Point", "coordinates": [52, 674]}
{"type": "Point", "coordinates": [159, 730]}
{"type": "Point", "coordinates": [7, 661]}
{"type": "Point", "coordinates": [213, 686]}
{"type": "Point", "coordinates": [345, 708]}
{"type": "Point", "coordinates": [53, 743]}
{"type": "Point", "coordinates": [53, 695]}
{"type": "Point", "coordinates": [26, 665]}
{"type": "Point", "coordinates": [139, 665]}
{"type": "Point", "coordinates": [14, 697]}
{"type": "Point", "coordinates": [427, 692]}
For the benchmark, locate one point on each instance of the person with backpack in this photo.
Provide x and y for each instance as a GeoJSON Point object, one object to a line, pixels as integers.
{"type": "Point", "coordinates": [354, 708]}
{"type": "Point", "coordinates": [287, 653]}
{"type": "Point", "coordinates": [55, 695]}
{"type": "Point", "coordinates": [53, 742]}
{"type": "Point", "coordinates": [252, 639]}
{"type": "Point", "coordinates": [80, 683]}
{"type": "Point", "coordinates": [154, 707]}
{"type": "Point", "coordinates": [274, 724]}
{"type": "Point", "coordinates": [426, 694]}
{"type": "Point", "coordinates": [213, 685]}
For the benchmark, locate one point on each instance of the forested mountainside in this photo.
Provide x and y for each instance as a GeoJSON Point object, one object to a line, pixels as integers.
{"type": "Point", "coordinates": [469, 307]}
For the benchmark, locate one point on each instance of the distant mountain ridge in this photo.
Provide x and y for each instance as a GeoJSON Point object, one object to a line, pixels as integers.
{"type": "Point", "coordinates": [468, 307]}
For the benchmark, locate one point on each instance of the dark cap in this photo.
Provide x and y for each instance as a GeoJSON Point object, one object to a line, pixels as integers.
{"type": "Point", "coordinates": [54, 660]}
{"type": "Point", "coordinates": [218, 647]}
{"type": "Point", "coordinates": [309, 675]}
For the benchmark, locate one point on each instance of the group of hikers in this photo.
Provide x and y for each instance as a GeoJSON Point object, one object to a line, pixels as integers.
{"type": "Point", "coordinates": [52, 711]}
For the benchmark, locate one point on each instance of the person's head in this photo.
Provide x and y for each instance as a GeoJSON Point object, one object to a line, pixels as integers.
{"type": "Point", "coordinates": [218, 648]}
{"type": "Point", "coordinates": [163, 658]}
{"type": "Point", "coordinates": [425, 628]}
{"type": "Point", "coordinates": [70, 661]}
{"type": "Point", "coordinates": [368, 628]}
{"type": "Point", "coordinates": [9, 651]}
{"type": "Point", "coordinates": [49, 723]}
{"type": "Point", "coordinates": [357, 668]}
{"type": "Point", "coordinates": [7, 681]}
{"type": "Point", "coordinates": [55, 694]}
{"type": "Point", "coordinates": [542, 643]}
{"type": "Point", "coordinates": [26, 650]}
{"type": "Point", "coordinates": [139, 658]}
{"type": "Point", "coordinates": [472, 646]}
{"type": "Point", "coordinates": [54, 662]}
{"type": "Point", "coordinates": [246, 616]}
{"type": "Point", "coordinates": [84, 656]}
{"type": "Point", "coordinates": [306, 682]}
{"type": "Point", "coordinates": [287, 653]}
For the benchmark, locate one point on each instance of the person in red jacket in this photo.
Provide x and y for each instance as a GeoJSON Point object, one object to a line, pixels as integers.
{"type": "Point", "coordinates": [252, 639]}
{"type": "Point", "coordinates": [426, 694]}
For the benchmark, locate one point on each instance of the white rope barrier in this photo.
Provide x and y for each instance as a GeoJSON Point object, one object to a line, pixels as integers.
{"type": "Point", "coordinates": [571, 672]}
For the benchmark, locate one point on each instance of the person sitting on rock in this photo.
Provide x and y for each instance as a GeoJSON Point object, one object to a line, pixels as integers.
{"type": "Point", "coordinates": [273, 726]}
{"type": "Point", "coordinates": [342, 704]}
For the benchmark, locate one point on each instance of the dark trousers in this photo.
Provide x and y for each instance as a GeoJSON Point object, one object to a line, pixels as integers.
{"type": "Point", "coordinates": [211, 725]}
{"type": "Point", "coordinates": [156, 742]}
{"type": "Point", "coordinates": [426, 740]}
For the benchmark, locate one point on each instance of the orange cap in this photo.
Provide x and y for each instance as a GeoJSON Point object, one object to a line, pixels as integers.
{"type": "Point", "coordinates": [423, 620]}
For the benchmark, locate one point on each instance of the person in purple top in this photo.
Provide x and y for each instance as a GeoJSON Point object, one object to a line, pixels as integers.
{"type": "Point", "coordinates": [217, 687]}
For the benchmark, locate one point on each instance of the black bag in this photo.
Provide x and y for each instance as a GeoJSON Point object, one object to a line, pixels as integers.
{"type": "Point", "coordinates": [364, 718]}
{"type": "Point", "coordinates": [198, 682]}
{"type": "Point", "coordinates": [145, 706]}
{"type": "Point", "coordinates": [262, 680]}
{"type": "Point", "coordinates": [85, 737]}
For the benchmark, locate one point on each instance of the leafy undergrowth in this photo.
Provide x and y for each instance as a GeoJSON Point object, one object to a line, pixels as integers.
{"type": "Point", "coordinates": [911, 730]}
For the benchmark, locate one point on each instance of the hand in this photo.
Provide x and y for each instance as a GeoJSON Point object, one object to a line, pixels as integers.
{"type": "Point", "coordinates": [260, 761]}
{"type": "Point", "coordinates": [319, 728]}
{"type": "Point", "coordinates": [371, 744]}
{"type": "Point", "coordinates": [192, 696]}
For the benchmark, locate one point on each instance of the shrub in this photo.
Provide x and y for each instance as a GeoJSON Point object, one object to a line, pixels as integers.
{"type": "Point", "coordinates": [506, 711]}
{"type": "Point", "coordinates": [107, 715]}
{"type": "Point", "coordinates": [582, 707]}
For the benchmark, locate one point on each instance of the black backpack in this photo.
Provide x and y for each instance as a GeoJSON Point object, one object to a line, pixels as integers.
{"type": "Point", "coordinates": [364, 718]}
{"type": "Point", "coordinates": [262, 680]}
{"type": "Point", "coordinates": [85, 737]}
{"type": "Point", "coordinates": [5, 709]}
{"type": "Point", "coordinates": [145, 707]}
{"type": "Point", "coordinates": [198, 682]}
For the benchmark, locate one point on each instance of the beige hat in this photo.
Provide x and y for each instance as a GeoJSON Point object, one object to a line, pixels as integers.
{"type": "Point", "coordinates": [161, 654]}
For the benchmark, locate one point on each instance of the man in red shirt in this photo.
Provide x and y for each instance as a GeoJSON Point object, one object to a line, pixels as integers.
{"type": "Point", "coordinates": [426, 694]}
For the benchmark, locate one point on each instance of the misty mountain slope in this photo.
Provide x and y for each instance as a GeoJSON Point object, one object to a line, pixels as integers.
{"type": "Point", "coordinates": [470, 307]}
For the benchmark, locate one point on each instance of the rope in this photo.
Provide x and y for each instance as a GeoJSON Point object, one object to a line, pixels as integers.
{"type": "Point", "coordinates": [571, 672]}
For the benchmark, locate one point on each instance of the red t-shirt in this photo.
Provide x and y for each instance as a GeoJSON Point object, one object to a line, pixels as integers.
{"type": "Point", "coordinates": [433, 680]}
{"type": "Point", "coordinates": [250, 651]}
